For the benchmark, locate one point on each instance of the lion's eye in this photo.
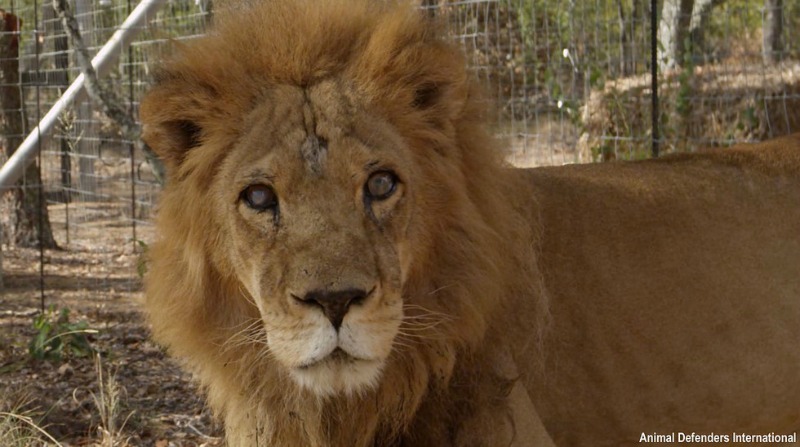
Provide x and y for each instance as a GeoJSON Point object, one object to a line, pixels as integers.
{"type": "Point", "coordinates": [259, 197]}
{"type": "Point", "coordinates": [381, 185]}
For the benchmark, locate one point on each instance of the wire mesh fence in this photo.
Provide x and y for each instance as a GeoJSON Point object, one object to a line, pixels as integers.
{"type": "Point", "coordinates": [571, 81]}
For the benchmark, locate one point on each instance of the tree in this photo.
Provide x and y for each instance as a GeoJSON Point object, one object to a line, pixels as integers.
{"type": "Point", "coordinates": [629, 25]}
{"type": "Point", "coordinates": [683, 22]}
{"type": "Point", "coordinates": [701, 15]}
{"type": "Point", "coordinates": [676, 16]}
{"type": "Point", "coordinates": [773, 31]}
{"type": "Point", "coordinates": [30, 221]}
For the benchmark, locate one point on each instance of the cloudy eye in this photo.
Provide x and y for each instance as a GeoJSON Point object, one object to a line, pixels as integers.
{"type": "Point", "coordinates": [259, 197]}
{"type": "Point", "coordinates": [381, 185]}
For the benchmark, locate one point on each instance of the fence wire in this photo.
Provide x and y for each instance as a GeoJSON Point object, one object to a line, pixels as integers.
{"type": "Point", "coordinates": [570, 78]}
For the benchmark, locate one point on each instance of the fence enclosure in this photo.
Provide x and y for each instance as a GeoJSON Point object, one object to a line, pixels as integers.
{"type": "Point", "coordinates": [571, 80]}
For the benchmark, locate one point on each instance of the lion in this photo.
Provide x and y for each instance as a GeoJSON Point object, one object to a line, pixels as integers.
{"type": "Point", "coordinates": [344, 259]}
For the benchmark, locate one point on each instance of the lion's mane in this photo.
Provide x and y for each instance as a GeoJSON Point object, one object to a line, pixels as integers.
{"type": "Point", "coordinates": [475, 250]}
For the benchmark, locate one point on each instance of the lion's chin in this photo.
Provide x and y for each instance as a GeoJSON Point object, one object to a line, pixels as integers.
{"type": "Point", "coordinates": [338, 373]}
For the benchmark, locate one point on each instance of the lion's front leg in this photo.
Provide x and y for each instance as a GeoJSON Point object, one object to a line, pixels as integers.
{"type": "Point", "coordinates": [530, 431]}
{"type": "Point", "coordinates": [511, 421]}
{"type": "Point", "coordinates": [485, 406]}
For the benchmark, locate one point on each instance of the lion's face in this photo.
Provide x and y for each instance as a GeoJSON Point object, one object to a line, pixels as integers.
{"type": "Point", "coordinates": [317, 205]}
{"type": "Point", "coordinates": [336, 227]}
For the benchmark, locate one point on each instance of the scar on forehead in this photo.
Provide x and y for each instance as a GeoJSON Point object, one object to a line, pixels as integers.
{"type": "Point", "coordinates": [314, 147]}
{"type": "Point", "coordinates": [313, 150]}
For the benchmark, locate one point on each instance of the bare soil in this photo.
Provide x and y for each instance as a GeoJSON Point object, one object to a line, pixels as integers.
{"type": "Point", "coordinates": [95, 277]}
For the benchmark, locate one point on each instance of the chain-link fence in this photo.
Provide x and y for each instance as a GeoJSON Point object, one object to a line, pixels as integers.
{"type": "Point", "coordinates": [571, 79]}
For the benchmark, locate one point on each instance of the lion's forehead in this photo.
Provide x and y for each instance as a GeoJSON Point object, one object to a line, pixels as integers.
{"type": "Point", "coordinates": [301, 133]}
{"type": "Point", "coordinates": [328, 105]}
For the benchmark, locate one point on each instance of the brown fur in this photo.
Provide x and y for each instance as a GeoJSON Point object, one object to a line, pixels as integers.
{"type": "Point", "coordinates": [457, 246]}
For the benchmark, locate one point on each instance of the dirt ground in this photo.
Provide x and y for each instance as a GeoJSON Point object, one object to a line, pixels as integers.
{"type": "Point", "coordinates": [95, 277]}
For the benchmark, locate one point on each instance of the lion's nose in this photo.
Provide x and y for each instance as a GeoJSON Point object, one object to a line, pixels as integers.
{"type": "Point", "coordinates": [334, 304]}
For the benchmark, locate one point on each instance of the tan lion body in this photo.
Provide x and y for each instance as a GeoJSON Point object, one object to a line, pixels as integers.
{"type": "Point", "coordinates": [345, 261]}
{"type": "Point", "coordinates": [674, 294]}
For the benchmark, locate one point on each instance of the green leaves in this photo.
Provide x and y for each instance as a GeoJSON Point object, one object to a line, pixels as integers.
{"type": "Point", "coordinates": [57, 337]}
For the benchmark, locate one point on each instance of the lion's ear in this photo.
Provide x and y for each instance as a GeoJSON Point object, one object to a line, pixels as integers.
{"type": "Point", "coordinates": [171, 140]}
{"type": "Point", "coordinates": [426, 95]}
{"type": "Point", "coordinates": [440, 84]}
{"type": "Point", "coordinates": [172, 122]}
{"type": "Point", "coordinates": [406, 66]}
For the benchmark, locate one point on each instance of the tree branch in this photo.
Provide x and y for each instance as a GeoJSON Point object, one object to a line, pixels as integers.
{"type": "Point", "coordinates": [112, 106]}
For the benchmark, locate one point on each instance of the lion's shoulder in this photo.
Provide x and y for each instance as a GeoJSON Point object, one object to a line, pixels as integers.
{"type": "Point", "coordinates": [773, 157]}
{"type": "Point", "coordinates": [675, 174]}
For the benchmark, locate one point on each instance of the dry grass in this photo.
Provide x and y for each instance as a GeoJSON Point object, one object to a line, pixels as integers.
{"type": "Point", "coordinates": [107, 402]}
{"type": "Point", "coordinates": [18, 423]}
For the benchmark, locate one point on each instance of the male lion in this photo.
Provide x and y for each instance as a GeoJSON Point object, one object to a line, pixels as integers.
{"type": "Point", "coordinates": [344, 259]}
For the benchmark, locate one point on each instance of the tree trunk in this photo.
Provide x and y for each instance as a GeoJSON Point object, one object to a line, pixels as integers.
{"type": "Point", "coordinates": [676, 15]}
{"type": "Point", "coordinates": [773, 31]}
{"type": "Point", "coordinates": [31, 229]}
{"type": "Point", "coordinates": [700, 18]}
{"type": "Point", "coordinates": [207, 8]}
{"type": "Point", "coordinates": [625, 55]}
{"type": "Point", "coordinates": [2, 284]}
{"type": "Point", "coordinates": [61, 44]}
{"type": "Point", "coordinates": [628, 24]}
{"type": "Point", "coordinates": [31, 222]}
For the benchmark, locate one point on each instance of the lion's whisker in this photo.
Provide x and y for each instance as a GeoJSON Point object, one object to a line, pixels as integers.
{"type": "Point", "coordinates": [247, 296]}
{"type": "Point", "coordinates": [423, 318]}
{"type": "Point", "coordinates": [418, 324]}
{"type": "Point", "coordinates": [435, 291]}
{"type": "Point", "coordinates": [252, 333]}
{"type": "Point", "coordinates": [412, 336]}
{"type": "Point", "coordinates": [424, 323]}
{"type": "Point", "coordinates": [402, 344]}
{"type": "Point", "coordinates": [425, 312]}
